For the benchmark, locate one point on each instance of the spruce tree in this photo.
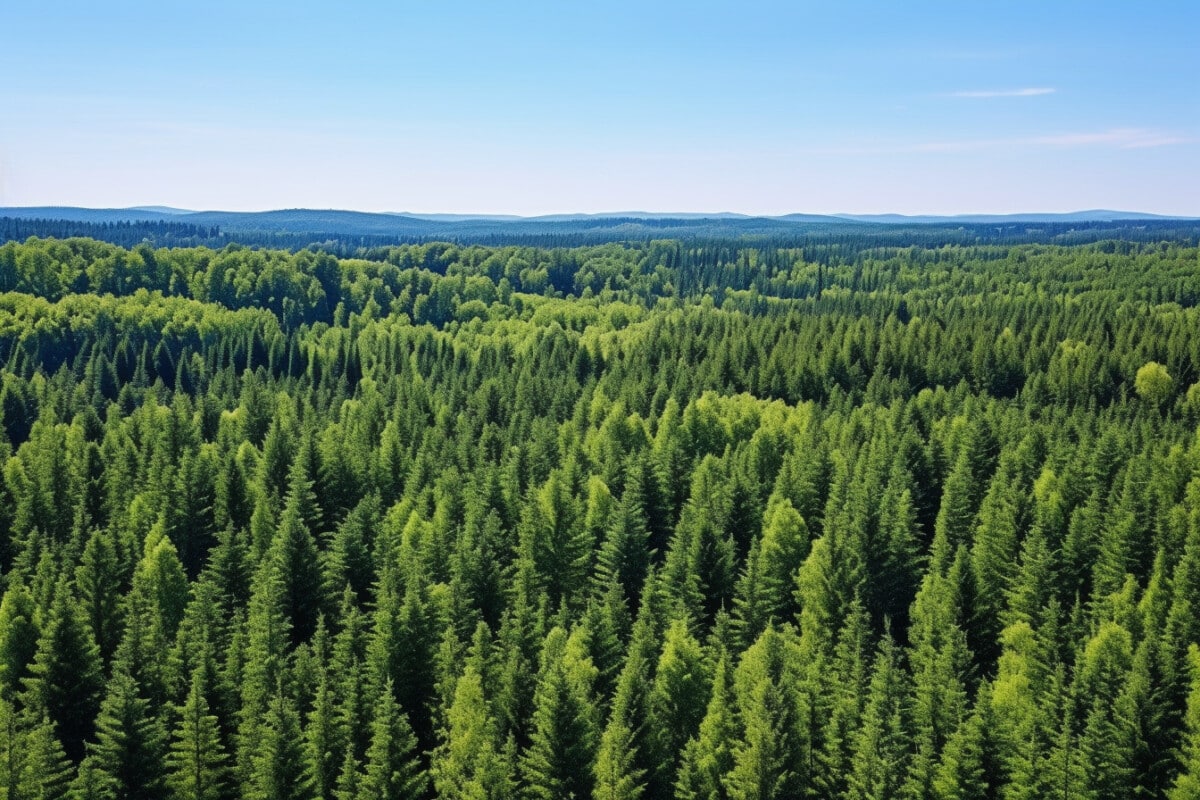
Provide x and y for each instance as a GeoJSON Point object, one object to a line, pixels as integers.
{"type": "Point", "coordinates": [277, 771]}
{"type": "Point", "coordinates": [130, 745]}
{"type": "Point", "coordinates": [392, 770]}
{"type": "Point", "coordinates": [470, 762]}
{"type": "Point", "coordinates": [19, 635]}
{"type": "Point", "coordinates": [197, 763]}
{"type": "Point", "coordinates": [559, 760]}
{"type": "Point", "coordinates": [881, 742]}
{"type": "Point", "coordinates": [676, 701]}
{"type": "Point", "coordinates": [1187, 785]}
{"type": "Point", "coordinates": [708, 757]}
{"type": "Point", "coordinates": [65, 679]}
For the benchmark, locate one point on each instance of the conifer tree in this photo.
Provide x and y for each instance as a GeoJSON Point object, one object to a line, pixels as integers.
{"type": "Point", "coordinates": [625, 754]}
{"type": "Point", "coordinates": [130, 745]}
{"type": "Point", "coordinates": [19, 636]}
{"type": "Point", "coordinates": [940, 663]}
{"type": "Point", "coordinates": [559, 760]}
{"type": "Point", "coordinates": [470, 762]}
{"type": "Point", "coordinates": [325, 737]}
{"type": "Point", "coordinates": [99, 581]}
{"type": "Point", "coordinates": [293, 554]}
{"type": "Point", "coordinates": [349, 779]}
{"type": "Point", "coordinates": [45, 771]}
{"type": "Point", "coordinates": [708, 757]}
{"type": "Point", "coordinates": [675, 703]}
{"type": "Point", "coordinates": [880, 743]}
{"type": "Point", "coordinates": [401, 651]}
{"type": "Point", "coordinates": [968, 768]}
{"type": "Point", "coordinates": [624, 555]}
{"type": "Point", "coordinates": [392, 770]}
{"type": "Point", "coordinates": [277, 771]}
{"type": "Point", "coordinates": [65, 680]}
{"type": "Point", "coordinates": [197, 763]}
{"type": "Point", "coordinates": [1187, 785]}
{"type": "Point", "coordinates": [266, 636]}
{"type": "Point", "coordinates": [768, 748]}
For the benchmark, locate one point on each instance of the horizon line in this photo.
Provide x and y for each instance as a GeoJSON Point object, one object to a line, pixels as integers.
{"type": "Point", "coordinates": [181, 211]}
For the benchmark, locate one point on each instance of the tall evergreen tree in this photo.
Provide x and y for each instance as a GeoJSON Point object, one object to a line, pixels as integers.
{"type": "Point", "coordinates": [392, 770]}
{"type": "Point", "coordinates": [277, 771]}
{"type": "Point", "coordinates": [559, 760]}
{"type": "Point", "coordinates": [130, 744]}
{"type": "Point", "coordinates": [471, 762]}
{"type": "Point", "coordinates": [197, 763]}
{"type": "Point", "coordinates": [65, 680]}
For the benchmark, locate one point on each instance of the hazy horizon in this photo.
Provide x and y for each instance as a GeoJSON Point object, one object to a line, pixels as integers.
{"type": "Point", "coordinates": [933, 108]}
{"type": "Point", "coordinates": [164, 208]}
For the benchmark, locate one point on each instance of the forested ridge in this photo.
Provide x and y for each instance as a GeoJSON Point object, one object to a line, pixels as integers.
{"type": "Point", "coordinates": [656, 519]}
{"type": "Point", "coordinates": [354, 234]}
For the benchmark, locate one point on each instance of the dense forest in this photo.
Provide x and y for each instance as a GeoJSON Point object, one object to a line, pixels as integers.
{"type": "Point", "coordinates": [657, 519]}
{"type": "Point", "coordinates": [352, 234]}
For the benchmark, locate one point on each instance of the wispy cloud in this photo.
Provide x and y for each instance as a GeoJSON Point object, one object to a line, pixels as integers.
{"type": "Point", "coordinates": [1121, 138]}
{"type": "Point", "coordinates": [1124, 138]}
{"type": "Point", "coordinates": [1033, 91]}
{"type": "Point", "coordinates": [1115, 138]}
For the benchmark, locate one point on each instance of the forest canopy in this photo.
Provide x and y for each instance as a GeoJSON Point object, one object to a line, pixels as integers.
{"type": "Point", "coordinates": [655, 519]}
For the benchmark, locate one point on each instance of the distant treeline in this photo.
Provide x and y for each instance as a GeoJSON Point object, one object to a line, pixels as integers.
{"type": "Point", "coordinates": [125, 234]}
{"type": "Point", "coordinates": [833, 240]}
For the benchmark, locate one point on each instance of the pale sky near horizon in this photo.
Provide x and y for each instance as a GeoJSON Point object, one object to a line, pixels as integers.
{"type": "Point", "coordinates": [533, 108]}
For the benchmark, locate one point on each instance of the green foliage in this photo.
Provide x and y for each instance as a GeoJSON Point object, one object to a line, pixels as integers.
{"type": "Point", "coordinates": [1153, 383]}
{"type": "Point", "coordinates": [130, 744]}
{"type": "Point", "coordinates": [197, 763]}
{"type": "Point", "coordinates": [391, 769]}
{"type": "Point", "coordinates": [559, 760]}
{"type": "Point", "coordinates": [471, 763]}
{"type": "Point", "coordinates": [706, 520]}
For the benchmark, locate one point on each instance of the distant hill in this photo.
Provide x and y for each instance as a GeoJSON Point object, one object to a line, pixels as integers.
{"type": "Point", "coordinates": [303, 220]}
{"type": "Point", "coordinates": [1094, 215]}
{"type": "Point", "coordinates": [347, 231]}
{"type": "Point", "coordinates": [98, 215]}
{"type": "Point", "coordinates": [162, 209]}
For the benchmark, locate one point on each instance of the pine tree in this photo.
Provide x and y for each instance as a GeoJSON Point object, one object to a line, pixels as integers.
{"type": "Point", "coordinates": [349, 779]}
{"type": "Point", "coordinates": [623, 746]}
{"type": "Point", "coordinates": [708, 758]}
{"type": "Point", "coordinates": [348, 560]}
{"type": "Point", "coordinates": [554, 539]}
{"type": "Point", "coordinates": [940, 664]}
{"type": "Point", "coordinates": [401, 650]}
{"type": "Point", "coordinates": [293, 554]}
{"type": "Point", "coordinates": [392, 770]}
{"type": "Point", "coordinates": [45, 772]}
{"type": "Point", "coordinates": [326, 739]}
{"type": "Point", "coordinates": [65, 680]}
{"type": "Point", "coordinates": [197, 763]}
{"type": "Point", "coordinates": [624, 555]}
{"type": "Point", "coordinates": [617, 776]}
{"type": "Point", "coordinates": [768, 749]}
{"type": "Point", "coordinates": [968, 769]}
{"type": "Point", "coordinates": [263, 669]}
{"type": "Point", "coordinates": [1187, 785]}
{"type": "Point", "coordinates": [130, 744]}
{"type": "Point", "coordinates": [559, 761]}
{"type": "Point", "coordinates": [881, 742]}
{"type": "Point", "coordinates": [956, 513]}
{"type": "Point", "coordinates": [676, 701]}
{"type": "Point", "coordinates": [470, 762]}
{"type": "Point", "coordinates": [98, 580]}
{"type": "Point", "coordinates": [278, 755]}
{"type": "Point", "coordinates": [19, 636]}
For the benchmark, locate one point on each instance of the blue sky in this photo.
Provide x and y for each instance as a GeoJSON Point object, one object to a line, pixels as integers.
{"type": "Point", "coordinates": [913, 107]}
